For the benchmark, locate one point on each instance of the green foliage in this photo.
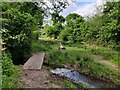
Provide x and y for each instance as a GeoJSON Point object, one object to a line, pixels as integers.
{"type": "Point", "coordinates": [54, 31]}
{"type": "Point", "coordinates": [12, 81]}
{"type": "Point", "coordinates": [74, 19]}
{"type": "Point", "coordinates": [102, 28]}
{"type": "Point", "coordinates": [115, 59]}
{"type": "Point", "coordinates": [69, 84]}
{"type": "Point", "coordinates": [56, 18]}
{"type": "Point", "coordinates": [9, 72]}
{"type": "Point", "coordinates": [103, 72]}
{"type": "Point", "coordinates": [91, 28]}
{"type": "Point", "coordinates": [80, 60]}
{"type": "Point", "coordinates": [20, 39]}
{"type": "Point", "coordinates": [64, 35]}
{"type": "Point", "coordinates": [33, 9]}
{"type": "Point", "coordinates": [7, 66]}
{"type": "Point", "coordinates": [17, 33]}
{"type": "Point", "coordinates": [38, 46]}
{"type": "Point", "coordinates": [72, 29]}
{"type": "Point", "coordinates": [49, 30]}
{"type": "Point", "coordinates": [107, 54]}
{"type": "Point", "coordinates": [56, 57]}
{"type": "Point", "coordinates": [36, 35]}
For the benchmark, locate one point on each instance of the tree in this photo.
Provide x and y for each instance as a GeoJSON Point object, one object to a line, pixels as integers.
{"type": "Point", "coordinates": [57, 19]}
{"type": "Point", "coordinates": [57, 27]}
{"type": "Point", "coordinates": [104, 28]}
{"type": "Point", "coordinates": [20, 20]}
{"type": "Point", "coordinates": [34, 10]}
{"type": "Point", "coordinates": [54, 31]}
{"type": "Point", "coordinates": [112, 27]}
{"type": "Point", "coordinates": [72, 27]}
{"type": "Point", "coordinates": [93, 27]}
{"type": "Point", "coordinates": [49, 30]}
{"type": "Point", "coordinates": [17, 33]}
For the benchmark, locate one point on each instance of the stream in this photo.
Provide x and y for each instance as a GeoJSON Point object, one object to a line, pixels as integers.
{"type": "Point", "coordinates": [74, 75]}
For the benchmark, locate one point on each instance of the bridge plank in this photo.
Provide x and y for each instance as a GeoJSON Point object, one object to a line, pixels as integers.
{"type": "Point", "coordinates": [35, 62]}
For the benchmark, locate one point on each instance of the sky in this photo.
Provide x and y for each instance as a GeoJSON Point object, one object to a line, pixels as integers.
{"type": "Point", "coordinates": [82, 7]}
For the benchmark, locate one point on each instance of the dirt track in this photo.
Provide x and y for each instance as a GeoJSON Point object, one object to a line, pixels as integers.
{"type": "Point", "coordinates": [37, 79]}
{"type": "Point", "coordinates": [103, 61]}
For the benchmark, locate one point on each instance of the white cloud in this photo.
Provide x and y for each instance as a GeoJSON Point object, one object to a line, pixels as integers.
{"type": "Point", "coordinates": [70, 9]}
{"type": "Point", "coordinates": [86, 9]}
{"type": "Point", "coordinates": [89, 9]}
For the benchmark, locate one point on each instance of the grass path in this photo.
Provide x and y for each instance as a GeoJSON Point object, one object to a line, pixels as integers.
{"type": "Point", "coordinates": [103, 61]}
{"type": "Point", "coordinates": [96, 58]}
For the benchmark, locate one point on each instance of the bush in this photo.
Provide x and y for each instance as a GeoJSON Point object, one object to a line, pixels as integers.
{"type": "Point", "coordinates": [36, 35]}
{"type": "Point", "coordinates": [7, 66]}
{"type": "Point", "coordinates": [10, 73]}
{"type": "Point", "coordinates": [38, 46]}
{"type": "Point", "coordinates": [18, 35]}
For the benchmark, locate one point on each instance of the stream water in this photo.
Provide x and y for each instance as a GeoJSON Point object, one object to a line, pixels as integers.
{"type": "Point", "coordinates": [74, 75]}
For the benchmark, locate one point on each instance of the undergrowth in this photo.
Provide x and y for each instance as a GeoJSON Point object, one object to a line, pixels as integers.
{"type": "Point", "coordinates": [9, 72]}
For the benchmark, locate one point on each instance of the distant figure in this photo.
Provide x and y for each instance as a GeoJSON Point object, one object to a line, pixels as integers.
{"type": "Point", "coordinates": [61, 46]}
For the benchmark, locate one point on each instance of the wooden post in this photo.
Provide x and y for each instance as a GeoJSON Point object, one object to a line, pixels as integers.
{"type": "Point", "coordinates": [2, 45]}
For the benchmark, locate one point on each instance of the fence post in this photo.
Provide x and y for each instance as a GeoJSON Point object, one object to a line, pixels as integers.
{"type": "Point", "coordinates": [2, 45]}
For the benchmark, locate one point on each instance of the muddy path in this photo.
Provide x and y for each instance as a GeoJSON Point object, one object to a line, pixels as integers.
{"type": "Point", "coordinates": [37, 79]}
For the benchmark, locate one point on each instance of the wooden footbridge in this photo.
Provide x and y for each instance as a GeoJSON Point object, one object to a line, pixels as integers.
{"type": "Point", "coordinates": [35, 62]}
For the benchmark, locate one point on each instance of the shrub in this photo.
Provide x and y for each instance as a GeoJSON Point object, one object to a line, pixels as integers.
{"type": "Point", "coordinates": [18, 34]}
{"type": "Point", "coordinates": [9, 72]}
{"type": "Point", "coordinates": [7, 66]}
{"type": "Point", "coordinates": [38, 46]}
{"type": "Point", "coordinates": [36, 35]}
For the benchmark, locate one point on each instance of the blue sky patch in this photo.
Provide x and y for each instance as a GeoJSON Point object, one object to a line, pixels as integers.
{"type": "Point", "coordinates": [82, 3]}
{"type": "Point", "coordinates": [85, 0]}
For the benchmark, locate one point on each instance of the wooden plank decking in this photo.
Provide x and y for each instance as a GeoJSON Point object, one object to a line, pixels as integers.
{"type": "Point", "coordinates": [35, 62]}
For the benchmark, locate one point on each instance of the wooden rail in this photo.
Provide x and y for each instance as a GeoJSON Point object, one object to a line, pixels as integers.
{"type": "Point", "coordinates": [2, 45]}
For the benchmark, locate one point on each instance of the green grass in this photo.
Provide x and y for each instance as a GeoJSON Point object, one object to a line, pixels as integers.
{"type": "Point", "coordinates": [0, 74]}
{"type": "Point", "coordinates": [12, 81]}
{"type": "Point", "coordinates": [44, 45]}
{"type": "Point", "coordinates": [111, 55]}
{"type": "Point", "coordinates": [65, 83]}
{"type": "Point", "coordinates": [79, 56]}
{"type": "Point", "coordinates": [38, 46]}
{"type": "Point", "coordinates": [103, 72]}
{"type": "Point", "coordinates": [83, 63]}
{"type": "Point", "coordinates": [84, 85]}
{"type": "Point", "coordinates": [68, 84]}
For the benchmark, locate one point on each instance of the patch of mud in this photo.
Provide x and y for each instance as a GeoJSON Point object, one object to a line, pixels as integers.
{"type": "Point", "coordinates": [37, 79]}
